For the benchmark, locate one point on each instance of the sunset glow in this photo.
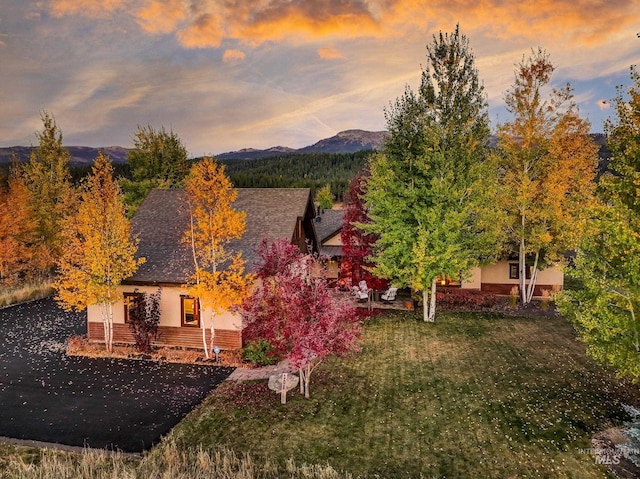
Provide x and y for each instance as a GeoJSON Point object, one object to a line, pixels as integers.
{"type": "Point", "coordinates": [258, 73]}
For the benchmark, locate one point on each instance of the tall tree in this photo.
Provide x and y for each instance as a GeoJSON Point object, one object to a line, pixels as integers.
{"type": "Point", "coordinates": [421, 192]}
{"type": "Point", "coordinates": [297, 313]}
{"type": "Point", "coordinates": [50, 186]}
{"type": "Point", "coordinates": [357, 244]}
{"type": "Point", "coordinates": [219, 281]}
{"type": "Point", "coordinates": [158, 155]}
{"type": "Point", "coordinates": [324, 198]}
{"type": "Point", "coordinates": [18, 230]}
{"type": "Point", "coordinates": [606, 308]}
{"type": "Point", "coordinates": [546, 165]}
{"type": "Point", "coordinates": [158, 160]}
{"type": "Point", "coordinates": [98, 251]}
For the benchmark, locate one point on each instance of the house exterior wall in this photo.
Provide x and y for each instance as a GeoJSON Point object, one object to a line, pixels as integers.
{"type": "Point", "coordinates": [334, 240]}
{"type": "Point", "coordinates": [474, 281]}
{"type": "Point", "coordinates": [495, 278]}
{"type": "Point", "coordinates": [228, 326]}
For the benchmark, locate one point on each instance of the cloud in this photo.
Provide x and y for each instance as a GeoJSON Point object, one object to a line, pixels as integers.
{"type": "Point", "coordinates": [207, 23]}
{"type": "Point", "coordinates": [161, 16]}
{"type": "Point", "coordinates": [233, 55]}
{"type": "Point", "coordinates": [330, 53]}
{"type": "Point", "coordinates": [87, 8]}
{"type": "Point", "coordinates": [603, 104]}
{"type": "Point", "coordinates": [204, 32]}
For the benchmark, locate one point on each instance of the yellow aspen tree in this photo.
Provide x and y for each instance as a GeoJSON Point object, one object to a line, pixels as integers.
{"type": "Point", "coordinates": [98, 251]}
{"type": "Point", "coordinates": [17, 230]}
{"type": "Point", "coordinates": [546, 166]}
{"type": "Point", "coordinates": [218, 282]}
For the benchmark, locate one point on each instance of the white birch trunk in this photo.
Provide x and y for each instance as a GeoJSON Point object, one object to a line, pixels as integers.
{"type": "Point", "coordinates": [107, 323]}
{"type": "Point", "coordinates": [432, 308]}
{"type": "Point", "coordinates": [534, 278]}
{"type": "Point", "coordinates": [110, 318]}
{"type": "Point", "coordinates": [301, 382]}
{"type": "Point", "coordinates": [523, 271]}
{"type": "Point", "coordinates": [213, 334]}
{"type": "Point", "coordinates": [429, 303]}
{"type": "Point", "coordinates": [204, 332]}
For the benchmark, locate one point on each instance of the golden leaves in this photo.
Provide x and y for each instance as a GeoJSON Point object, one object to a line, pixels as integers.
{"type": "Point", "coordinates": [98, 251]}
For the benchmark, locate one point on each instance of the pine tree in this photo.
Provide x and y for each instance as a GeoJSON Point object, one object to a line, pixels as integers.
{"type": "Point", "coordinates": [51, 191]}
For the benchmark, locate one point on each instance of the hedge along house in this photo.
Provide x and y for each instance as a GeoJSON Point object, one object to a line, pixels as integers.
{"type": "Point", "coordinates": [160, 224]}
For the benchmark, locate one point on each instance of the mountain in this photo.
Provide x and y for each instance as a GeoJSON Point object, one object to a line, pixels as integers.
{"type": "Point", "coordinates": [348, 141]}
{"type": "Point", "coordinates": [252, 153]}
{"type": "Point", "coordinates": [80, 155]}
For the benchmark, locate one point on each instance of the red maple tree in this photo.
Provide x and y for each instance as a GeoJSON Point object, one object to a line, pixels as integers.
{"type": "Point", "coordinates": [357, 245]}
{"type": "Point", "coordinates": [298, 314]}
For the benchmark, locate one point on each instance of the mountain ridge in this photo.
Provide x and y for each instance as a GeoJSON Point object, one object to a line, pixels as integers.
{"type": "Point", "coordinates": [347, 141]}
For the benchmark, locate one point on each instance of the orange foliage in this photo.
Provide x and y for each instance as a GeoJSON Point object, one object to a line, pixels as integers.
{"type": "Point", "coordinates": [219, 281]}
{"type": "Point", "coordinates": [17, 230]}
{"type": "Point", "coordinates": [97, 252]}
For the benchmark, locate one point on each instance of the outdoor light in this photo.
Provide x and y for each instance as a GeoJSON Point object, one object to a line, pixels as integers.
{"type": "Point", "coordinates": [216, 351]}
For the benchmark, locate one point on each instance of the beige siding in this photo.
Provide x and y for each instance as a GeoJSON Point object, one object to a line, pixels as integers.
{"type": "Point", "coordinates": [334, 240]}
{"type": "Point", "coordinates": [170, 320]}
{"type": "Point", "coordinates": [495, 278]}
{"type": "Point", "coordinates": [474, 280]}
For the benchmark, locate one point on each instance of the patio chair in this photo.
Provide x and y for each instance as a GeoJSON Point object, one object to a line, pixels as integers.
{"type": "Point", "coordinates": [389, 295]}
{"type": "Point", "coordinates": [362, 293]}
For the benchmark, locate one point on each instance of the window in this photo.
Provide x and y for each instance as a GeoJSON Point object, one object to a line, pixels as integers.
{"type": "Point", "coordinates": [514, 271]}
{"type": "Point", "coordinates": [447, 281]}
{"type": "Point", "coordinates": [190, 311]}
{"type": "Point", "coordinates": [129, 299]}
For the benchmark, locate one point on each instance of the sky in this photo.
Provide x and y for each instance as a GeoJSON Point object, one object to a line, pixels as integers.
{"type": "Point", "coordinates": [231, 74]}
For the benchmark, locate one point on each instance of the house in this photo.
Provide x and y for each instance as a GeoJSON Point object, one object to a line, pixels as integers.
{"type": "Point", "coordinates": [160, 223]}
{"type": "Point", "coordinates": [328, 225]}
{"type": "Point", "coordinates": [503, 275]}
{"type": "Point", "coordinates": [496, 278]}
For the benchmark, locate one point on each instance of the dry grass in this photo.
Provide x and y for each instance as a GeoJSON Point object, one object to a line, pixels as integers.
{"type": "Point", "coordinates": [80, 346]}
{"type": "Point", "coordinates": [167, 461]}
{"type": "Point", "coordinates": [10, 295]}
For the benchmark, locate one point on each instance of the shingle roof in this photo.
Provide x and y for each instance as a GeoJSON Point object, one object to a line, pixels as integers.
{"type": "Point", "coordinates": [163, 218]}
{"type": "Point", "coordinates": [330, 223]}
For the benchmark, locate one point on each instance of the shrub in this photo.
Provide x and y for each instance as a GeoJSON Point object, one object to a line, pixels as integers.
{"type": "Point", "coordinates": [471, 299]}
{"type": "Point", "coordinates": [144, 317]}
{"type": "Point", "coordinates": [259, 352]}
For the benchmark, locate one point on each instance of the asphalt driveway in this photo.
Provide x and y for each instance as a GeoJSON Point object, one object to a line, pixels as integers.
{"type": "Point", "coordinates": [103, 403]}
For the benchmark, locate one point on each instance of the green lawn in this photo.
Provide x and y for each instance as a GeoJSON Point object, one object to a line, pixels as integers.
{"type": "Point", "coordinates": [472, 395]}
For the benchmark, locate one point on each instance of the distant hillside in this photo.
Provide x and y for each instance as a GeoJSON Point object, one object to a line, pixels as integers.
{"type": "Point", "coordinates": [80, 155]}
{"type": "Point", "coordinates": [348, 141]}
